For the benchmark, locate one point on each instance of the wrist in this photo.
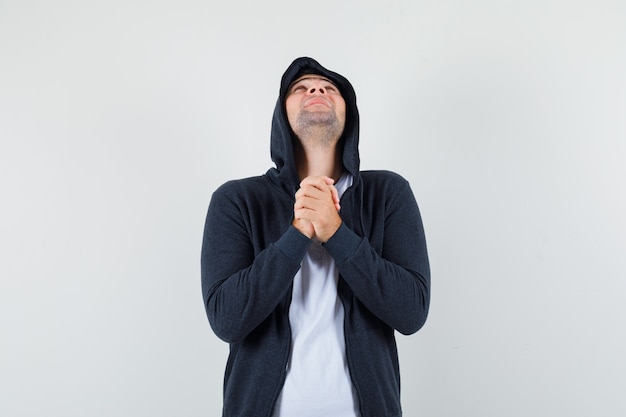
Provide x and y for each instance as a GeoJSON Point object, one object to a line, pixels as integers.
{"type": "Point", "coordinates": [328, 234]}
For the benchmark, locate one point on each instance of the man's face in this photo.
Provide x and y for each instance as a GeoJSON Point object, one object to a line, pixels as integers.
{"type": "Point", "coordinates": [313, 101]}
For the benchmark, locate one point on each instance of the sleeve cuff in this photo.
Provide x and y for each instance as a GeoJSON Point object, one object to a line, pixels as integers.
{"type": "Point", "coordinates": [293, 244]}
{"type": "Point", "coordinates": [342, 244]}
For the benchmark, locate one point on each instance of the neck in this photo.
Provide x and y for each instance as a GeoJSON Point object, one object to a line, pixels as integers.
{"type": "Point", "coordinates": [318, 161]}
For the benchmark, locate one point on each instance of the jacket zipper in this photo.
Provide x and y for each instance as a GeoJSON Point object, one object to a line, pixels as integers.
{"type": "Point", "coordinates": [348, 357]}
{"type": "Point", "coordinates": [286, 361]}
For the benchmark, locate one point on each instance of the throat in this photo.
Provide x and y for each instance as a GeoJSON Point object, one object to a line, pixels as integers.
{"type": "Point", "coordinates": [319, 161]}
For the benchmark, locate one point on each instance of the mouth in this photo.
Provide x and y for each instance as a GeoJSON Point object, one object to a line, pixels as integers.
{"type": "Point", "coordinates": [317, 101]}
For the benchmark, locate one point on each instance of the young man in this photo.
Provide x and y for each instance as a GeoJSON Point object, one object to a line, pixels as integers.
{"type": "Point", "coordinates": [308, 270]}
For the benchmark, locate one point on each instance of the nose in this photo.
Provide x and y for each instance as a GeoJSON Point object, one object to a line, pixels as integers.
{"type": "Point", "coordinates": [319, 88]}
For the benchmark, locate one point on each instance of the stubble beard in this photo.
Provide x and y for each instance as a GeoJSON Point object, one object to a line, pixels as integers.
{"type": "Point", "coordinates": [317, 129]}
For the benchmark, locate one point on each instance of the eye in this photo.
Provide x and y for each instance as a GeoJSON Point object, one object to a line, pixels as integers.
{"type": "Point", "coordinates": [297, 88]}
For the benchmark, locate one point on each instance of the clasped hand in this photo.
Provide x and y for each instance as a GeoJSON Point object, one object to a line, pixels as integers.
{"type": "Point", "coordinates": [316, 208]}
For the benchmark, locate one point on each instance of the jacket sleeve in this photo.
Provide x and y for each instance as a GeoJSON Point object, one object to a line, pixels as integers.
{"type": "Point", "coordinates": [241, 286]}
{"type": "Point", "coordinates": [393, 285]}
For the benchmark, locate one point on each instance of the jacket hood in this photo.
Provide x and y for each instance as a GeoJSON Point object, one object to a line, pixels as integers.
{"type": "Point", "coordinates": [282, 136]}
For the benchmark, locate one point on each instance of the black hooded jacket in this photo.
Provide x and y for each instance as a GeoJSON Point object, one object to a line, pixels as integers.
{"type": "Point", "coordinates": [251, 253]}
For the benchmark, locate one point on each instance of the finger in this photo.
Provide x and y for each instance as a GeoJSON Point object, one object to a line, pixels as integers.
{"type": "Point", "coordinates": [308, 203]}
{"type": "Point", "coordinates": [320, 182]}
{"type": "Point", "coordinates": [304, 214]}
{"type": "Point", "coordinates": [318, 188]}
{"type": "Point", "coordinates": [331, 185]}
{"type": "Point", "coordinates": [335, 195]}
{"type": "Point", "coordinates": [302, 203]}
{"type": "Point", "coordinates": [312, 191]}
{"type": "Point", "coordinates": [315, 193]}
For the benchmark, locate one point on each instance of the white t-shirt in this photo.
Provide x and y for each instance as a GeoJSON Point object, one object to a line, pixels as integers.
{"type": "Point", "coordinates": [318, 381]}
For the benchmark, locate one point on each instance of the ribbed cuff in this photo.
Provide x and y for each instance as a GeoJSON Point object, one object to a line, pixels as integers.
{"type": "Point", "coordinates": [342, 244]}
{"type": "Point", "coordinates": [293, 244]}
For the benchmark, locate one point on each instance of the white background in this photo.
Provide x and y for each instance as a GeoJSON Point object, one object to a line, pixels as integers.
{"type": "Point", "coordinates": [118, 119]}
